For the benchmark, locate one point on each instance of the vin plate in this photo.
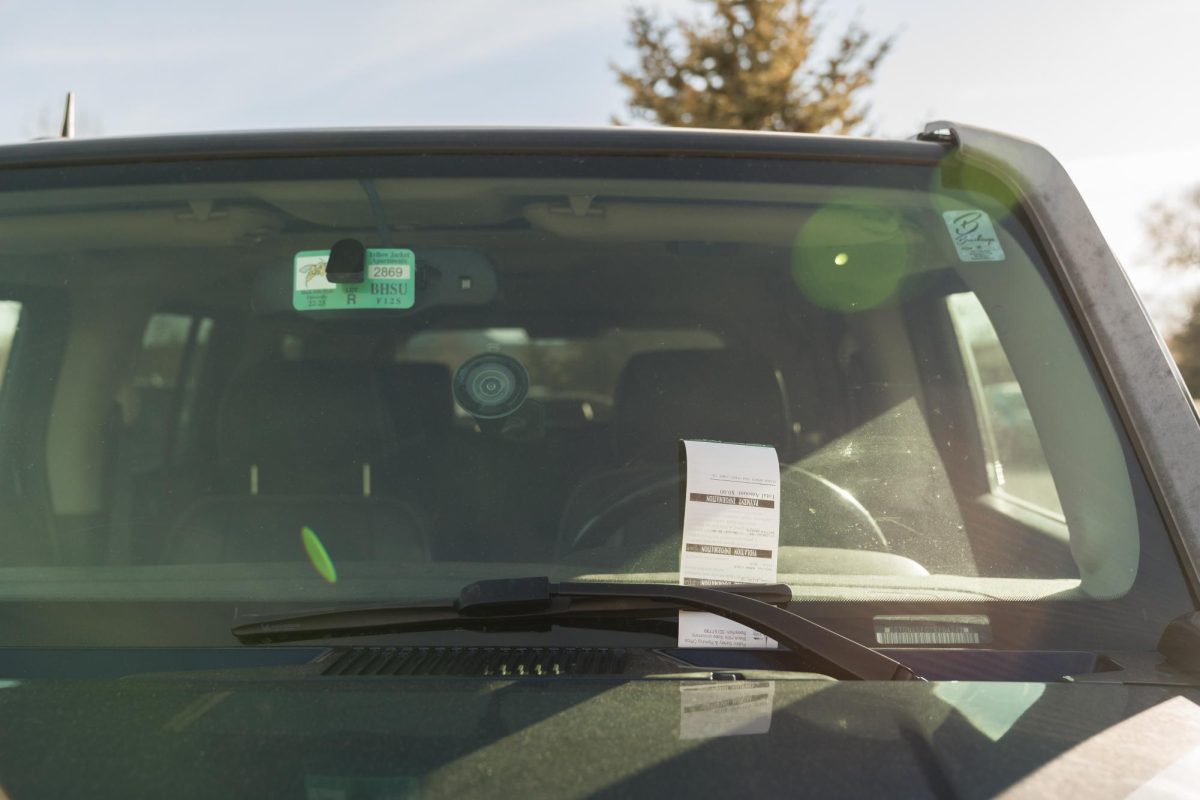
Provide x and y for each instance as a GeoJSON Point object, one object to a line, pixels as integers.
{"type": "Point", "coordinates": [933, 629]}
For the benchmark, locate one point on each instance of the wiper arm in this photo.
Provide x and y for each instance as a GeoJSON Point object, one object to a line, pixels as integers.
{"type": "Point", "coordinates": [537, 600]}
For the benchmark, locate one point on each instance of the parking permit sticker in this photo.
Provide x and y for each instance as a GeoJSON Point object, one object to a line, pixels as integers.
{"type": "Point", "coordinates": [387, 282]}
{"type": "Point", "coordinates": [973, 235]}
{"type": "Point", "coordinates": [730, 533]}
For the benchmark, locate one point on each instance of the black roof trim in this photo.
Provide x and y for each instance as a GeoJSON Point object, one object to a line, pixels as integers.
{"type": "Point", "coordinates": [401, 141]}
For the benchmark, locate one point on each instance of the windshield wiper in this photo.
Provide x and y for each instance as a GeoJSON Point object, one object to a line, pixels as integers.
{"type": "Point", "coordinates": [529, 601]}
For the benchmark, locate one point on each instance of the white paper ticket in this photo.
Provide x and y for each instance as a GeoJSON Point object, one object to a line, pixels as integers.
{"type": "Point", "coordinates": [730, 533]}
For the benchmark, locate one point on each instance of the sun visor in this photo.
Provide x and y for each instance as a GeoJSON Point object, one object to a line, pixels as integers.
{"type": "Point", "coordinates": [230, 226]}
{"type": "Point", "coordinates": [440, 277]}
{"type": "Point", "coordinates": [699, 222]}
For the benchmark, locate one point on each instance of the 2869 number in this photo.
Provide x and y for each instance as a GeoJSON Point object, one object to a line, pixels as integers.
{"type": "Point", "coordinates": [384, 271]}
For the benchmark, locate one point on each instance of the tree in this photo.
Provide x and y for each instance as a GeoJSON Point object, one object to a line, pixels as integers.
{"type": "Point", "coordinates": [753, 66]}
{"type": "Point", "coordinates": [1185, 346]}
{"type": "Point", "coordinates": [1173, 229]}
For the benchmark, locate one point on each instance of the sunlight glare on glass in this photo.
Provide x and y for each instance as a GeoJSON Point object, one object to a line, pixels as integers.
{"type": "Point", "coordinates": [821, 256]}
{"type": "Point", "coordinates": [317, 555]}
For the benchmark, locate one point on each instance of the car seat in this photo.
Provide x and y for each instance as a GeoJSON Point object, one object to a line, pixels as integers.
{"type": "Point", "coordinates": [304, 444]}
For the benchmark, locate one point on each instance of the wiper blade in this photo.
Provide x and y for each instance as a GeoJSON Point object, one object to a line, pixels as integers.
{"type": "Point", "coordinates": [537, 600]}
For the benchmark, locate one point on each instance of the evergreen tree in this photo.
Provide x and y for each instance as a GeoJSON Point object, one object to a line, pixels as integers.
{"type": "Point", "coordinates": [752, 66]}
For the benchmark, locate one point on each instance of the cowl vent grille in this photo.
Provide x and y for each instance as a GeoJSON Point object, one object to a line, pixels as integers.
{"type": "Point", "coordinates": [504, 662]}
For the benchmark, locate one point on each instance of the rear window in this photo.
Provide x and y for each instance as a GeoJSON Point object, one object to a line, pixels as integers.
{"type": "Point", "coordinates": [507, 398]}
{"type": "Point", "coordinates": [576, 375]}
{"type": "Point", "coordinates": [10, 317]}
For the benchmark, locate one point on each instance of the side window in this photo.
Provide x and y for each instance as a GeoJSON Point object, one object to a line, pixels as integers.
{"type": "Point", "coordinates": [10, 317]}
{"type": "Point", "coordinates": [1017, 468]}
{"type": "Point", "coordinates": [580, 373]}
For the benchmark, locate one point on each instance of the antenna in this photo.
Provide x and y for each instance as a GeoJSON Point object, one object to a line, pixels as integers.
{"type": "Point", "coordinates": [68, 126]}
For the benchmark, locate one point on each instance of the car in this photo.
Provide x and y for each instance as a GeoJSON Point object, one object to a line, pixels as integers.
{"type": "Point", "coordinates": [565, 463]}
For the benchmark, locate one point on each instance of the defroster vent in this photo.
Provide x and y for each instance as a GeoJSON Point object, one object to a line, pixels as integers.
{"type": "Point", "coordinates": [506, 662]}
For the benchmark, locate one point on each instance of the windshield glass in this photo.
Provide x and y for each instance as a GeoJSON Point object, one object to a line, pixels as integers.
{"type": "Point", "coordinates": [188, 417]}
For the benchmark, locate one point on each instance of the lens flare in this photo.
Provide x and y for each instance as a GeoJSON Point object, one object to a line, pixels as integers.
{"type": "Point", "coordinates": [317, 555]}
{"type": "Point", "coordinates": [874, 238]}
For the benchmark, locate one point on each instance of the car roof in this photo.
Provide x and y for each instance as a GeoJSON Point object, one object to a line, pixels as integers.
{"type": "Point", "coordinates": [464, 140]}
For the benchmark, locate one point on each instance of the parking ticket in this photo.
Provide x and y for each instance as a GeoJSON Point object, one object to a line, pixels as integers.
{"type": "Point", "coordinates": [730, 532]}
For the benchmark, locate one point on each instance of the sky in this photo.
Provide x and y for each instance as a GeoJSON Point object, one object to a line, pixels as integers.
{"type": "Point", "coordinates": [1107, 86]}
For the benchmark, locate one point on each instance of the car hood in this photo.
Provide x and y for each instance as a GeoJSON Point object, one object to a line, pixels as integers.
{"type": "Point", "coordinates": [461, 737]}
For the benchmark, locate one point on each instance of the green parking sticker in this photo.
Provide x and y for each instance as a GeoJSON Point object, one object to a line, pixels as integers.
{"type": "Point", "coordinates": [388, 282]}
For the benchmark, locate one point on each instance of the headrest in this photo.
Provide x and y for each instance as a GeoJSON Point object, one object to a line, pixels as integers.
{"type": "Point", "coordinates": [418, 396]}
{"type": "Point", "coordinates": [723, 395]}
{"type": "Point", "coordinates": [303, 417]}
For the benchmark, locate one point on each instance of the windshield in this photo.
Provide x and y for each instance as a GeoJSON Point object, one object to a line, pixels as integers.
{"type": "Point", "coordinates": [189, 417]}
